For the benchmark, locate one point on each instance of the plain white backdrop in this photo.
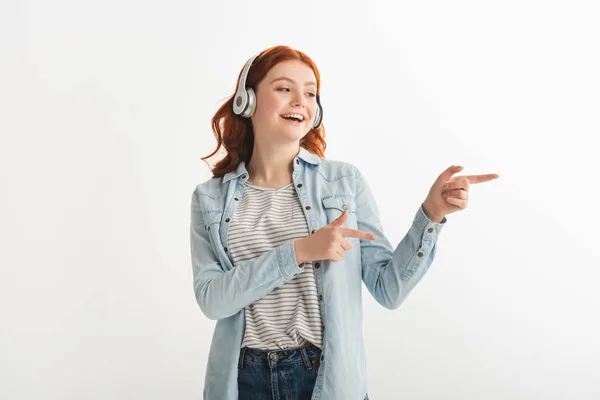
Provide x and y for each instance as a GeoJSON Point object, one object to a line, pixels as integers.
{"type": "Point", "coordinates": [105, 112]}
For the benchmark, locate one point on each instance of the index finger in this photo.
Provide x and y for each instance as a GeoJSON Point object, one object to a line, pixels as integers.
{"type": "Point", "coordinates": [481, 178]}
{"type": "Point", "coordinates": [355, 233]}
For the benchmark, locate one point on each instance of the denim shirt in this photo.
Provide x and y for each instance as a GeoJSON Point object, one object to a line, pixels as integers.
{"type": "Point", "coordinates": [325, 188]}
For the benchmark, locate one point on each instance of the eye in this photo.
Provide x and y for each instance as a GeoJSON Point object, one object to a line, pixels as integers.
{"type": "Point", "coordinates": [288, 89]}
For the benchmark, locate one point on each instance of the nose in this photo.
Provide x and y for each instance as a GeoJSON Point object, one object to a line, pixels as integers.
{"type": "Point", "coordinates": [299, 100]}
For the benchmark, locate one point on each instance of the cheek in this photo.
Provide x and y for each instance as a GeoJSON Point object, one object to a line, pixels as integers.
{"type": "Point", "coordinates": [270, 107]}
{"type": "Point", "coordinates": [265, 111]}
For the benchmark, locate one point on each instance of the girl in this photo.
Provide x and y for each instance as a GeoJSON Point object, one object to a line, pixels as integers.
{"type": "Point", "coordinates": [283, 238]}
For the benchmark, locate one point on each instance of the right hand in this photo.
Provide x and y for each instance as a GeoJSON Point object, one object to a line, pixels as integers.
{"type": "Point", "coordinates": [328, 243]}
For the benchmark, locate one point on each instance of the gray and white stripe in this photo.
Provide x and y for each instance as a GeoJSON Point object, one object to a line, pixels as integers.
{"type": "Point", "coordinates": [289, 316]}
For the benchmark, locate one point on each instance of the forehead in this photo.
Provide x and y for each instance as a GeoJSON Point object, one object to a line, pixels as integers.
{"type": "Point", "coordinates": [293, 69]}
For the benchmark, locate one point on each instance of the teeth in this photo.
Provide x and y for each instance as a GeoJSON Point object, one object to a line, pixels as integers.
{"type": "Point", "coordinates": [297, 116]}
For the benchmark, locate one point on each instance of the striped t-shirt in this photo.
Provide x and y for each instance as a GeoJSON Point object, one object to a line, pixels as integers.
{"type": "Point", "coordinates": [289, 316]}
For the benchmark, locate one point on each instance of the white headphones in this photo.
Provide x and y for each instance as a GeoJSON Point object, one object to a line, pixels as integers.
{"type": "Point", "coordinates": [244, 102]}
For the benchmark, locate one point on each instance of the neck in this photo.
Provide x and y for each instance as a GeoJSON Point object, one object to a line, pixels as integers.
{"type": "Point", "coordinates": [272, 166]}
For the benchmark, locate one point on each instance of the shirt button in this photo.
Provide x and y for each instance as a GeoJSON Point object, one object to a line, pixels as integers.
{"type": "Point", "coordinates": [317, 265]}
{"type": "Point", "coordinates": [313, 231]}
{"type": "Point", "coordinates": [320, 297]}
{"type": "Point", "coordinates": [227, 220]}
{"type": "Point", "coordinates": [236, 199]}
{"type": "Point", "coordinates": [322, 357]}
{"type": "Point", "coordinates": [299, 185]}
{"type": "Point", "coordinates": [297, 161]}
{"type": "Point", "coordinates": [307, 207]}
{"type": "Point", "coordinates": [420, 254]}
{"type": "Point", "coordinates": [225, 248]}
{"type": "Point", "coordinates": [430, 230]}
{"type": "Point", "coordinates": [244, 176]}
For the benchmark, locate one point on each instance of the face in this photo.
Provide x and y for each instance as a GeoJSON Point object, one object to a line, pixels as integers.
{"type": "Point", "coordinates": [288, 90]}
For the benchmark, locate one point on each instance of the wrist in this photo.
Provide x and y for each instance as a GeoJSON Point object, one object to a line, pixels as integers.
{"type": "Point", "coordinates": [299, 251]}
{"type": "Point", "coordinates": [430, 215]}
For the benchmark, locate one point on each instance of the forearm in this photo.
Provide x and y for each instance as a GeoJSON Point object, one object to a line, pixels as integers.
{"type": "Point", "coordinates": [392, 273]}
{"type": "Point", "coordinates": [221, 294]}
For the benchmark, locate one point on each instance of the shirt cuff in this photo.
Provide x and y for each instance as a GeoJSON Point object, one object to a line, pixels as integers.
{"type": "Point", "coordinates": [287, 261]}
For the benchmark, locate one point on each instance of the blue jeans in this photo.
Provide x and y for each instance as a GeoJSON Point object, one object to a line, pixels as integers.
{"type": "Point", "coordinates": [278, 374]}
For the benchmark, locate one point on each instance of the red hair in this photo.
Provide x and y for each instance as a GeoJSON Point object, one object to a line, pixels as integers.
{"type": "Point", "coordinates": [235, 134]}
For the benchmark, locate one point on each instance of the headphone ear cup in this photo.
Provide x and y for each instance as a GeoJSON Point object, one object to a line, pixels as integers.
{"type": "Point", "coordinates": [240, 102]}
{"type": "Point", "coordinates": [251, 106]}
{"type": "Point", "coordinates": [245, 103]}
{"type": "Point", "coordinates": [318, 117]}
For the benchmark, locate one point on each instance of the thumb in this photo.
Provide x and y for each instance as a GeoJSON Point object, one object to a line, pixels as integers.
{"type": "Point", "coordinates": [339, 221]}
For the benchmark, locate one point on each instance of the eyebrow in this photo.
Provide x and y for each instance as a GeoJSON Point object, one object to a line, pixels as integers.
{"type": "Point", "coordinates": [283, 78]}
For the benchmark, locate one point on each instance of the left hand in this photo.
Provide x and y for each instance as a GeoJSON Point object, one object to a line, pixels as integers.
{"type": "Point", "coordinates": [448, 194]}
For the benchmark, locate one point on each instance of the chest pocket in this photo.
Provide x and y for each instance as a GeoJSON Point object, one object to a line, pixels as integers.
{"type": "Point", "coordinates": [211, 217]}
{"type": "Point", "coordinates": [334, 206]}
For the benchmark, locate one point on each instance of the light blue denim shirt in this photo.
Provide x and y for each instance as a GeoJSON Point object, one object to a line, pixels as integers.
{"type": "Point", "coordinates": [324, 188]}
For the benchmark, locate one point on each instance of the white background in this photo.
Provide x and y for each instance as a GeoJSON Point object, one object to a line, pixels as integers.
{"type": "Point", "coordinates": [105, 112]}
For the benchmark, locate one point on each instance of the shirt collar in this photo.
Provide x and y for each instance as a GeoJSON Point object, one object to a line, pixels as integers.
{"type": "Point", "coordinates": [303, 154]}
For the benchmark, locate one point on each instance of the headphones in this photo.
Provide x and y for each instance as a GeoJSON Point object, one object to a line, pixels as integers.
{"type": "Point", "coordinates": [244, 102]}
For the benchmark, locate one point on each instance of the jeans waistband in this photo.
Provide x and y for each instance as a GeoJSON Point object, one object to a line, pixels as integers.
{"type": "Point", "coordinates": [308, 355]}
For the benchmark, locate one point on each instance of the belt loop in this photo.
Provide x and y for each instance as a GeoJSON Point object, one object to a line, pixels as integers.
{"type": "Point", "coordinates": [241, 360]}
{"type": "Point", "coordinates": [305, 358]}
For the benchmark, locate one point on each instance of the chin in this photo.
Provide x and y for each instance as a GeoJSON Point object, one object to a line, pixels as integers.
{"type": "Point", "coordinates": [294, 130]}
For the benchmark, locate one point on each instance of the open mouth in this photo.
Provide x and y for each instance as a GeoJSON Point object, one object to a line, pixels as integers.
{"type": "Point", "coordinates": [294, 119]}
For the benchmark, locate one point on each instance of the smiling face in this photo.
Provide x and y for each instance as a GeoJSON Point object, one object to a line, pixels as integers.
{"type": "Point", "coordinates": [287, 93]}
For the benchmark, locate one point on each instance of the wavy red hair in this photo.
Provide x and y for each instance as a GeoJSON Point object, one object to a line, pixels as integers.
{"type": "Point", "coordinates": [235, 134]}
